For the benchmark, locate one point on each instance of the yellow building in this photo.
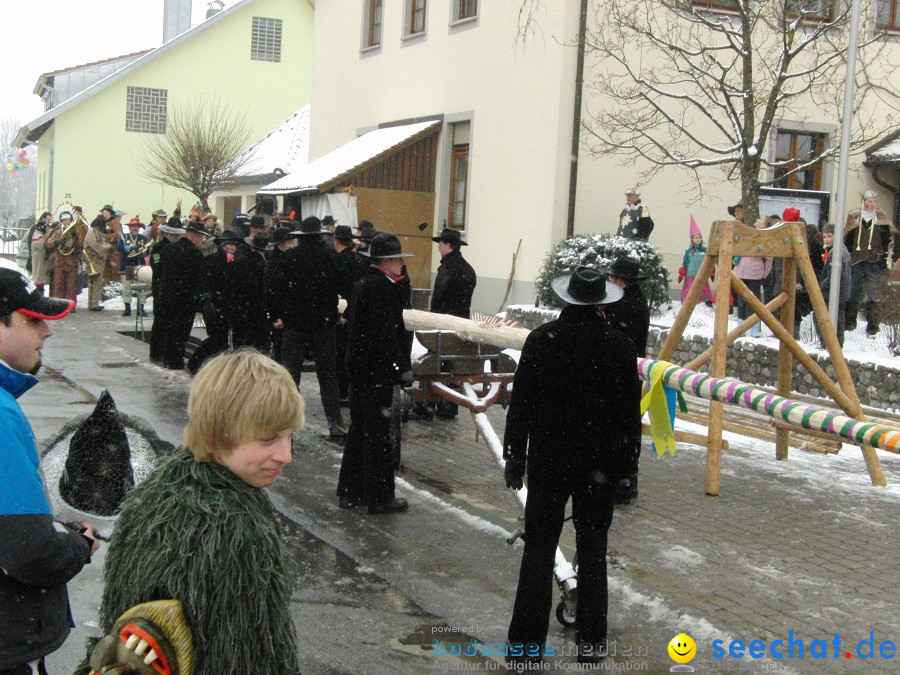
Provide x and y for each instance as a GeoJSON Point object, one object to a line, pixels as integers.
{"type": "Point", "coordinates": [255, 57]}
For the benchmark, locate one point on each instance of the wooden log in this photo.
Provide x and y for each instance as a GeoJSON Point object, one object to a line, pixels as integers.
{"type": "Point", "coordinates": [719, 355]}
{"type": "Point", "coordinates": [504, 337]}
{"type": "Point", "coordinates": [686, 437]}
{"type": "Point", "coordinates": [785, 362]}
{"type": "Point", "coordinates": [741, 328]}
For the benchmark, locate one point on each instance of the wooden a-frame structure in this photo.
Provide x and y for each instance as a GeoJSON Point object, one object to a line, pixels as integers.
{"type": "Point", "coordinates": [788, 241]}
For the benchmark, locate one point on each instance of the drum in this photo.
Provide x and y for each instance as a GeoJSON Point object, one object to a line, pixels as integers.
{"type": "Point", "coordinates": [141, 273]}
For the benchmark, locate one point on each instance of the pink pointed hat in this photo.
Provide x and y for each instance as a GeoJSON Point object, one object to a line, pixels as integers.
{"type": "Point", "coordinates": [695, 229]}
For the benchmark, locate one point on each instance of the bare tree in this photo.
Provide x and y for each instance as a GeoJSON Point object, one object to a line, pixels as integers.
{"type": "Point", "coordinates": [18, 191]}
{"type": "Point", "coordinates": [703, 84]}
{"type": "Point", "coordinates": [202, 150]}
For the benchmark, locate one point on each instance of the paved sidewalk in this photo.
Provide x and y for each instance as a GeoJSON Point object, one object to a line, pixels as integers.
{"type": "Point", "coordinates": [804, 545]}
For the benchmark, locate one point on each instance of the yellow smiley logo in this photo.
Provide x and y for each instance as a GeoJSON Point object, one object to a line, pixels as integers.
{"type": "Point", "coordinates": [682, 648]}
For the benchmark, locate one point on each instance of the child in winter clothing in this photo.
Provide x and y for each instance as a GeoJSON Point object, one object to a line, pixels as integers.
{"type": "Point", "coordinates": [690, 264]}
{"type": "Point", "coordinates": [752, 270]}
{"type": "Point", "coordinates": [825, 281]}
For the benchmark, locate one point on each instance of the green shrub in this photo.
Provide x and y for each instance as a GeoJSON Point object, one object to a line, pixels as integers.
{"type": "Point", "coordinates": [599, 251]}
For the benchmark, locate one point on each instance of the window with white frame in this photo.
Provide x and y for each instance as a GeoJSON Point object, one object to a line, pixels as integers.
{"type": "Point", "coordinates": [887, 14]}
{"type": "Point", "coordinates": [372, 23]}
{"type": "Point", "coordinates": [465, 9]}
{"type": "Point", "coordinates": [414, 18]}
{"type": "Point", "coordinates": [265, 40]}
{"type": "Point", "coordinates": [145, 110]}
{"type": "Point", "coordinates": [459, 175]}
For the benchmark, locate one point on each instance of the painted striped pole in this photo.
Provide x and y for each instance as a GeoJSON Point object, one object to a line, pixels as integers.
{"type": "Point", "coordinates": [797, 413]}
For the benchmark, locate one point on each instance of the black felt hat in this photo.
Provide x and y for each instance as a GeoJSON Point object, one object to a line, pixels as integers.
{"type": "Point", "coordinates": [279, 236]}
{"type": "Point", "coordinates": [310, 227]}
{"type": "Point", "coordinates": [625, 268]}
{"type": "Point", "coordinates": [258, 242]}
{"type": "Point", "coordinates": [343, 233]}
{"type": "Point", "coordinates": [732, 209]}
{"type": "Point", "coordinates": [586, 286]}
{"type": "Point", "coordinates": [328, 220]}
{"type": "Point", "coordinates": [450, 236]}
{"type": "Point", "coordinates": [229, 235]}
{"type": "Point", "coordinates": [197, 226]}
{"type": "Point", "coordinates": [385, 245]}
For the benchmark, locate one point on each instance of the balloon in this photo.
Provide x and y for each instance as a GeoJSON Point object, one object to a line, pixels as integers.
{"type": "Point", "coordinates": [21, 153]}
{"type": "Point", "coordinates": [9, 167]}
{"type": "Point", "coordinates": [26, 162]}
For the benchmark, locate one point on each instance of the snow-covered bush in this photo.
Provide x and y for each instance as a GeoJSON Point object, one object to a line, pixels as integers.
{"type": "Point", "coordinates": [599, 251]}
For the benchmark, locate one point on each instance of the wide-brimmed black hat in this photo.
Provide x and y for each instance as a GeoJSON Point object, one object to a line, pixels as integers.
{"type": "Point", "coordinates": [258, 242]}
{"type": "Point", "coordinates": [328, 220]}
{"type": "Point", "coordinates": [229, 235]}
{"type": "Point", "coordinates": [19, 294]}
{"type": "Point", "coordinates": [625, 268]}
{"type": "Point", "coordinates": [367, 231]}
{"type": "Point", "coordinates": [197, 226]}
{"type": "Point", "coordinates": [451, 236]}
{"type": "Point", "coordinates": [279, 236]}
{"type": "Point", "coordinates": [258, 221]}
{"type": "Point", "coordinates": [310, 227]}
{"type": "Point", "coordinates": [586, 286]}
{"type": "Point", "coordinates": [108, 207]}
{"type": "Point", "coordinates": [731, 209]}
{"type": "Point", "coordinates": [385, 245]}
{"type": "Point", "coordinates": [343, 233]}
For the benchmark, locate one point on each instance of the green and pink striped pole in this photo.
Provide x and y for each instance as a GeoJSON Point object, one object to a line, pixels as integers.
{"type": "Point", "coordinates": [797, 413]}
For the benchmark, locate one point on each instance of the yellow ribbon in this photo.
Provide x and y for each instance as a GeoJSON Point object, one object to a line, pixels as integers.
{"type": "Point", "coordinates": [655, 401]}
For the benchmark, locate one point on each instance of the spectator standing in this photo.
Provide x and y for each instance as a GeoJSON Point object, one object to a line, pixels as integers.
{"type": "Point", "coordinates": [37, 560]}
{"type": "Point", "coordinates": [634, 220]}
{"type": "Point", "coordinates": [825, 282]}
{"type": "Point", "coordinates": [752, 270]}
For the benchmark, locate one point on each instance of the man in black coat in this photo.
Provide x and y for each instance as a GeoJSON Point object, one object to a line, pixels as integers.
{"type": "Point", "coordinates": [249, 316]}
{"type": "Point", "coordinates": [346, 250]}
{"type": "Point", "coordinates": [455, 280]}
{"type": "Point", "coordinates": [171, 232]}
{"type": "Point", "coordinates": [179, 284]}
{"type": "Point", "coordinates": [452, 294]}
{"type": "Point", "coordinates": [280, 243]}
{"type": "Point", "coordinates": [631, 315]}
{"type": "Point", "coordinates": [215, 298]}
{"type": "Point", "coordinates": [572, 423]}
{"type": "Point", "coordinates": [377, 360]}
{"type": "Point", "coordinates": [304, 293]}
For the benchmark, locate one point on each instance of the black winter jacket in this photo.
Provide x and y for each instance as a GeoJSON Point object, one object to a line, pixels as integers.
{"type": "Point", "coordinates": [631, 315]}
{"type": "Point", "coordinates": [376, 343]}
{"type": "Point", "coordinates": [304, 285]}
{"type": "Point", "coordinates": [453, 286]}
{"type": "Point", "coordinates": [575, 407]}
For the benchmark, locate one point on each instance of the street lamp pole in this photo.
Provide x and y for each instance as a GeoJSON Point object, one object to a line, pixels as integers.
{"type": "Point", "coordinates": [849, 92]}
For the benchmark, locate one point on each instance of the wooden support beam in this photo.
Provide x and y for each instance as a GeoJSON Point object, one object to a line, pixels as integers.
{"type": "Point", "coordinates": [719, 356]}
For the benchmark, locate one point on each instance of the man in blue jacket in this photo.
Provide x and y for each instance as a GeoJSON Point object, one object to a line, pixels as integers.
{"type": "Point", "coordinates": [36, 560]}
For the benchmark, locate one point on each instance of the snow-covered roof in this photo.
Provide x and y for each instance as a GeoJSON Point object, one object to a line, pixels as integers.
{"type": "Point", "coordinates": [41, 123]}
{"type": "Point", "coordinates": [348, 158]}
{"type": "Point", "coordinates": [284, 149]}
{"type": "Point", "coordinates": [887, 153]}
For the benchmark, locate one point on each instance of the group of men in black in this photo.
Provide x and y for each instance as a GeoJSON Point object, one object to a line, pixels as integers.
{"type": "Point", "coordinates": [277, 290]}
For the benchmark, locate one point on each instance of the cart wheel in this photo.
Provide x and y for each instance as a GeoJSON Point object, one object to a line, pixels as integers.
{"type": "Point", "coordinates": [563, 615]}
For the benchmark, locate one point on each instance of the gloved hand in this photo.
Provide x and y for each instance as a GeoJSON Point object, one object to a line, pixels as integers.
{"type": "Point", "coordinates": [682, 273]}
{"type": "Point", "coordinates": [406, 378]}
{"type": "Point", "coordinates": [513, 473]}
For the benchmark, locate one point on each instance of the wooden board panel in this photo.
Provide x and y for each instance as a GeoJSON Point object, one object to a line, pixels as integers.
{"type": "Point", "coordinates": [774, 242]}
{"type": "Point", "coordinates": [401, 212]}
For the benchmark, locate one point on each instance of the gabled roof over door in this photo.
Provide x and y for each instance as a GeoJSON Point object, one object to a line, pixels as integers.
{"type": "Point", "coordinates": [369, 156]}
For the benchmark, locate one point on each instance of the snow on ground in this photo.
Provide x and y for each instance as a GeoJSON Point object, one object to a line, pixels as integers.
{"type": "Point", "coordinates": [857, 345]}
